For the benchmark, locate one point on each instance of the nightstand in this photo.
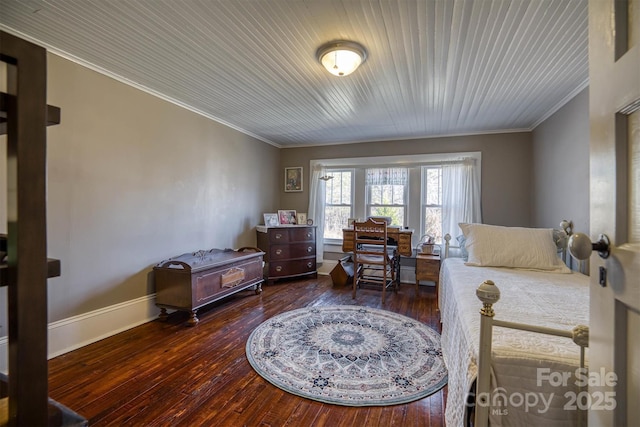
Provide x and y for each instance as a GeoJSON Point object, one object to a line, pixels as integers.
{"type": "Point", "coordinates": [428, 268]}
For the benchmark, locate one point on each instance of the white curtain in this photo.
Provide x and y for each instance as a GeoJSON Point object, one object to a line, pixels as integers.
{"type": "Point", "coordinates": [460, 195]}
{"type": "Point", "coordinates": [316, 207]}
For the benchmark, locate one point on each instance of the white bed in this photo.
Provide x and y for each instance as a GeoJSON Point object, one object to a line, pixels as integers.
{"type": "Point", "coordinates": [558, 300]}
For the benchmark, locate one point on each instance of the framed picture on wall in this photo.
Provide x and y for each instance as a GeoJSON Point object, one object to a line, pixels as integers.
{"type": "Point", "coordinates": [293, 179]}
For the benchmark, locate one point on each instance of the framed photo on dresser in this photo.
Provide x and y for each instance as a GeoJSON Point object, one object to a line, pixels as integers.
{"type": "Point", "coordinates": [271, 219]}
{"type": "Point", "coordinates": [287, 217]}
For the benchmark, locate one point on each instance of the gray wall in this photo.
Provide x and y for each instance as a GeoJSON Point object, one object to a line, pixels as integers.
{"type": "Point", "coordinates": [133, 180]}
{"type": "Point", "coordinates": [506, 169]}
{"type": "Point", "coordinates": [561, 166]}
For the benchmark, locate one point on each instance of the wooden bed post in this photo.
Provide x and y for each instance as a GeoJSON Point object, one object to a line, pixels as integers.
{"type": "Point", "coordinates": [489, 294]}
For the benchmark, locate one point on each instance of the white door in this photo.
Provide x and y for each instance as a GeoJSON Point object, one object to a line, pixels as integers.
{"type": "Point", "coordinates": [614, 343]}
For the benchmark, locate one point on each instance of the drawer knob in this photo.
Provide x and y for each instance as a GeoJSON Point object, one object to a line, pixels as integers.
{"type": "Point", "coordinates": [279, 268]}
{"type": "Point", "coordinates": [278, 236]}
{"type": "Point", "coordinates": [309, 249]}
{"type": "Point", "coordinates": [309, 264]}
{"type": "Point", "coordinates": [278, 251]}
{"type": "Point", "coordinates": [308, 235]}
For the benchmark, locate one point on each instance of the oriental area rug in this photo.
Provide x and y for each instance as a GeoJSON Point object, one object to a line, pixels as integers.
{"type": "Point", "coordinates": [348, 355]}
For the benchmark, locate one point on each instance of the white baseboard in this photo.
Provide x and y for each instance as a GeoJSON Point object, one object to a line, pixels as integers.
{"type": "Point", "coordinates": [77, 331]}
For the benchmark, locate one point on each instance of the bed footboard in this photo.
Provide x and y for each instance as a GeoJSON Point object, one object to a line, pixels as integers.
{"type": "Point", "coordinates": [488, 293]}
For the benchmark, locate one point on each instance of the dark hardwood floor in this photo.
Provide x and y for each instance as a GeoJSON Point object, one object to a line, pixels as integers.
{"type": "Point", "coordinates": [165, 373]}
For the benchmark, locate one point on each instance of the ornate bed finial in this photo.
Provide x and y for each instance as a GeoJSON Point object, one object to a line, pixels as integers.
{"type": "Point", "coordinates": [581, 335]}
{"type": "Point", "coordinates": [489, 294]}
{"type": "Point", "coordinates": [567, 226]}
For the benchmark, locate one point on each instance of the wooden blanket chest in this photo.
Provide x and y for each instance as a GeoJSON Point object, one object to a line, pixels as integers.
{"type": "Point", "coordinates": [192, 280]}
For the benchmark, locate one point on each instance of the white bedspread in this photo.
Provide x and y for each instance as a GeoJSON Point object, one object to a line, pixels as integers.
{"type": "Point", "coordinates": [553, 300]}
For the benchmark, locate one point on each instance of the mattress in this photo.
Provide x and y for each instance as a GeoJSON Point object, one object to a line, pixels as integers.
{"type": "Point", "coordinates": [525, 365]}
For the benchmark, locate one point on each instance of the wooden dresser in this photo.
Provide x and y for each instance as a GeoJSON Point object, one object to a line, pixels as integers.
{"type": "Point", "coordinates": [290, 250]}
{"type": "Point", "coordinates": [192, 280]}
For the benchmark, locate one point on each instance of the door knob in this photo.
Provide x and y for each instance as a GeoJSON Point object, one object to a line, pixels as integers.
{"type": "Point", "coordinates": [580, 246]}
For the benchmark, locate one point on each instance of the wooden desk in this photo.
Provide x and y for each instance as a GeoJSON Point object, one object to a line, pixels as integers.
{"type": "Point", "coordinates": [402, 236]}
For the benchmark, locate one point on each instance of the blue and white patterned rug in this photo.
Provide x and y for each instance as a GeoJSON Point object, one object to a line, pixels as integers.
{"type": "Point", "coordinates": [348, 355]}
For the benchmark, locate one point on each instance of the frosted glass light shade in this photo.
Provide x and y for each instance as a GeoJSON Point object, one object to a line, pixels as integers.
{"type": "Point", "coordinates": [341, 58]}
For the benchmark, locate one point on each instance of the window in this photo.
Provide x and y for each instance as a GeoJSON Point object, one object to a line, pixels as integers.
{"type": "Point", "coordinates": [387, 193]}
{"type": "Point", "coordinates": [420, 192]}
{"type": "Point", "coordinates": [338, 202]}
{"type": "Point", "coordinates": [432, 201]}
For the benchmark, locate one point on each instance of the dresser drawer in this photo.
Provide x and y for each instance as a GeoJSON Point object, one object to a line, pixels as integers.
{"type": "Point", "coordinates": [292, 250]}
{"type": "Point", "coordinates": [279, 236]}
{"type": "Point", "coordinates": [292, 267]}
{"type": "Point", "coordinates": [307, 234]}
{"type": "Point", "coordinates": [427, 269]}
{"type": "Point", "coordinates": [347, 240]}
{"type": "Point", "coordinates": [404, 244]}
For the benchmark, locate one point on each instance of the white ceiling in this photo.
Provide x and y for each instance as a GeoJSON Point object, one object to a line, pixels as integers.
{"type": "Point", "coordinates": [435, 67]}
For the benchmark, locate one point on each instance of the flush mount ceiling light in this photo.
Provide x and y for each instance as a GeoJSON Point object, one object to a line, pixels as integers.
{"type": "Point", "coordinates": [341, 58]}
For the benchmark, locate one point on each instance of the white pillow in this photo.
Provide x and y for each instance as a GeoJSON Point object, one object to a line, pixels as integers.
{"type": "Point", "coordinates": [513, 247]}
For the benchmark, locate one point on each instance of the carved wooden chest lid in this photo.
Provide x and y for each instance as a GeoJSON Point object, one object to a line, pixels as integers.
{"type": "Point", "coordinates": [206, 259]}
